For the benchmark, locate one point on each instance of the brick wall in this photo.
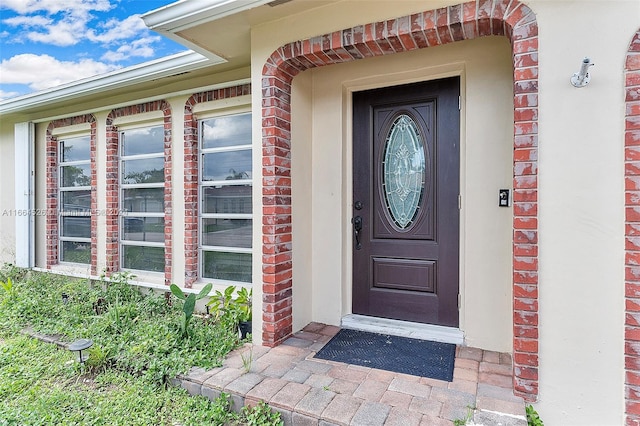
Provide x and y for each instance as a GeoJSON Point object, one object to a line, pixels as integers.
{"type": "Point", "coordinates": [191, 174]}
{"type": "Point", "coordinates": [52, 185]}
{"type": "Point", "coordinates": [632, 232]}
{"type": "Point", "coordinates": [113, 185]}
{"type": "Point", "coordinates": [470, 20]}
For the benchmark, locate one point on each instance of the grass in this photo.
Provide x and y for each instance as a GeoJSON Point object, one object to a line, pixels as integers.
{"type": "Point", "coordinates": [138, 346]}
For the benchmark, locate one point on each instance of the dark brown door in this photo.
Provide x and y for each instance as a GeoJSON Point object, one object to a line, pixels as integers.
{"type": "Point", "coordinates": [405, 202]}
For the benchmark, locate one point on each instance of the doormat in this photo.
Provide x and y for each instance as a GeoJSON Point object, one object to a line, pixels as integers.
{"type": "Point", "coordinates": [422, 358]}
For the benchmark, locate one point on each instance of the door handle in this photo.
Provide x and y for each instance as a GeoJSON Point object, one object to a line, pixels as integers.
{"type": "Point", "coordinates": [357, 229]}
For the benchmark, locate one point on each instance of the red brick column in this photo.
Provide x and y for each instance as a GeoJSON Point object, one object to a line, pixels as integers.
{"type": "Point", "coordinates": [113, 185]}
{"type": "Point", "coordinates": [470, 20]}
{"type": "Point", "coordinates": [52, 228]}
{"type": "Point", "coordinates": [191, 174]}
{"type": "Point", "coordinates": [632, 232]}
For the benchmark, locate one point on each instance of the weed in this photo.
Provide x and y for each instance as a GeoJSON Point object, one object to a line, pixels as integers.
{"type": "Point", "coordinates": [467, 418]}
{"type": "Point", "coordinates": [247, 359]}
{"type": "Point", "coordinates": [9, 288]}
{"type": "Point", "coordinates": [533, 419]}
{"type": "Point", "coordinates": [189, 304]}
{"type": "Point", "coordinates": [261, 415]}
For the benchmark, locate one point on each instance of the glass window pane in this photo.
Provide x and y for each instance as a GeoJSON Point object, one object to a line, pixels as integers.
{"type": "Point", "coordinates": [75, 149]}
{"type": "Point", "coordinates": [76, 201]}
{"type": "Point", "coordinates": [227, 199]}
{"type": "Point", "coordinates": [404, 171]}
{"type": "Point", "coordinates": [226, 232]}
{"type": "Point", "coordinates": [147, 170]}
{"type": "Point", "coordinates": [145, 200]}
{"type": "Point", "coordinates": [149, 229]}
{"type": "Point", "coordinates": [75, 252]}
{"type": "Point", "coordinates": [227, 266]}
{"type": "Point", "coordinates": [143, 258]}
{"type": "Point", "coordinates": [227, 165]}
{"type": "Point", "coordinates": [148, 140]}
{"type": "Point", "coordinates": [76, 226]}
{"type": "Point", "coordinates": [230, 130]}
{"type": "Point", "coordinates": [79, 175]}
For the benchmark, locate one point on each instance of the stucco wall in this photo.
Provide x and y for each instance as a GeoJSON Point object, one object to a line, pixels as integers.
{"type": "Point", "coordinates": [580, 193]}
{"type": "Point", "coordinates": [7, 194]}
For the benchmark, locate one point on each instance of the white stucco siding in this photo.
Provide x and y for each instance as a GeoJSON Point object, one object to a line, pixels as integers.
{"type": "Point", "coordinates": [581, 214]}
{"type": "Point", "coordinates": [7, 194]}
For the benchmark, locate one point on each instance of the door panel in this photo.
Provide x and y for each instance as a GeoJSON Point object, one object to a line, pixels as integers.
{"type": "Point", "coordinates": [406, 186]}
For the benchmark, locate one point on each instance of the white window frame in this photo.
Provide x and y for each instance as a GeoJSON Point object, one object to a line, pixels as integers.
{"type": "Point", "coordinates": [61, 189]}
{"type": "Point", "coordinates": [124, 186]}
{"type": "Point", "coordinates": [203, 184]}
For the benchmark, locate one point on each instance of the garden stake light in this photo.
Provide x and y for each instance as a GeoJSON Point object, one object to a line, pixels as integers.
{"type": "Point", "coordinates": [79, 346]}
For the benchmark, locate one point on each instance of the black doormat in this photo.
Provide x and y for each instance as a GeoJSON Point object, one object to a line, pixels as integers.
{"type": "Point", "coordinates": [422, 358]}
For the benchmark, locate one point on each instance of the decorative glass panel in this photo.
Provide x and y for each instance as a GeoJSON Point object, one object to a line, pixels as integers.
{"type": "Point", "coordinates": [76, 149]}
{"type": "Point", "coordinates": [143, 258]}
{"type": "Point", "coordinates": [148, 170]}
{"type": "Point", "coordinates": [230, 130]}
{"type": "Point", "coordinates": [227, 266]}
{"type": "Point", "coordinates": [227, 199]}
{"type": "Point", "coordinates": [79, 175]}
{"type": "Point", "coordinates": [148, 140]}
{"type": "Point", "coordinates": [76, 252]}
{"type": "Point", "coordinates": [227, 165]}
{"type": "Point", "coordinates": [149, 229]}
{"type": "Point", "coordinates": [143, 200]}
{"type": "Point", "coordinates": [226, 232]}
{"type": "Point", "coordinates": [403, 171]}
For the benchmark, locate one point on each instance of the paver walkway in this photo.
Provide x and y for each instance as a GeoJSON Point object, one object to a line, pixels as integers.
{"type": "Point", "coordinates": [310, 391]}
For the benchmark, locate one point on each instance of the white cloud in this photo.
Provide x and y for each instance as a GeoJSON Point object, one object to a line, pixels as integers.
{"type": "Point", "coordinates": [139, 48]}
{"type": "Point", "coordinates": [27, 21]}
{"type": "Point", "coordinates": [43, 71]}
{"type": "Point", "coordinates": [115, 29]}
{"type": "Point", "coordinates": [55, 6]}
{"type": "Point", "coordinates": [6, 95]}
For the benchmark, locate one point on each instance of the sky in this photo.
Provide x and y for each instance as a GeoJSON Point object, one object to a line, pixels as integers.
{"type": "Point", "coordinates": [46, 43]}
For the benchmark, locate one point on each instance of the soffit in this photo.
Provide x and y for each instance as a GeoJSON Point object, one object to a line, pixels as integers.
{"type": "Point", "coordinates": [229, 37]}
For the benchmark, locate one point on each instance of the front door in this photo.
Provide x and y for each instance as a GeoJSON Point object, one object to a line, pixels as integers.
{"type": "Point", "coordinates": [405, 202]}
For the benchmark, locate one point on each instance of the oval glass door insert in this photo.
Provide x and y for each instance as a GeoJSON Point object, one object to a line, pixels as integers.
{"type": "Point", "coordinates": [403, 171]}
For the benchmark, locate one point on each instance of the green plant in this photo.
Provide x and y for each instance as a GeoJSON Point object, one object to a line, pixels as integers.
{"type": "Point", "coordinates": [533, 419]}
{"type": "Point", "coordinates": [189, 304]}
{"type": "Point", "coordinates": [243, 303]}
{"type": "Point", "coordinates": [221, 302]}
{"type": "Point", "coordinates": [247, 359]}
{"type": "Point", "coordinates": [467, 418]}
{"type": "Point", "coordinates": [9, 288]}
{"type": "Point", "coordinates": [236, 310]}
{"type": "Point", "coordinates": [261, 415]}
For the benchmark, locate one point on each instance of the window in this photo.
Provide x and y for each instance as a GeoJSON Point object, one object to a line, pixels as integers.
{"type": "Point", "coordinates": [225, 198]}
{"type": "Point", "coordinates": [142, 199]}
{"type": "Point", "coordinates": [75, 199]}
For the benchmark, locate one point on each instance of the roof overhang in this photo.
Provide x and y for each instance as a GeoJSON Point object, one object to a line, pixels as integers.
{"type": "Point", "coordinates": [159, 68]}
{"type": "Point", "coordinates": [185, 14]}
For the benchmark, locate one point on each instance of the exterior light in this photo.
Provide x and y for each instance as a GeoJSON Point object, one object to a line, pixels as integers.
{"type": "Point", "coordinates": [80, 345]}
{"type": "Point", "coordinates": [582, 77]}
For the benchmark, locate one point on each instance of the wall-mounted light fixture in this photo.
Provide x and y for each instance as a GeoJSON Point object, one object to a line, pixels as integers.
{"type": "Point", "coordinates": [582, 77]}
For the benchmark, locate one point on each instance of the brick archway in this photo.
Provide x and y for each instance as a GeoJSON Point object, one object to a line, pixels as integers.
{"type": "Point", "coordinates": [466, 21]}
{"type": "Point", "coordinates": [632, 232]}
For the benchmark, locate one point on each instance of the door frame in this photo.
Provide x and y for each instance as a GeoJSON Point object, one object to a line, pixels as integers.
{"type": "Point", "coordinates": [455, 69]}
{"type": "Point", "coordinates": [349, 210]}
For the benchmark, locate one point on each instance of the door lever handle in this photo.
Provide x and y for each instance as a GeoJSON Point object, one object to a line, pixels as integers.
{"type": "Point", "coordinates": [357, 229]}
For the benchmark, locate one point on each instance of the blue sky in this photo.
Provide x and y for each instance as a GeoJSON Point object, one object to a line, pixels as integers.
{"type": "Point", "coordinates": [46, 43]}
